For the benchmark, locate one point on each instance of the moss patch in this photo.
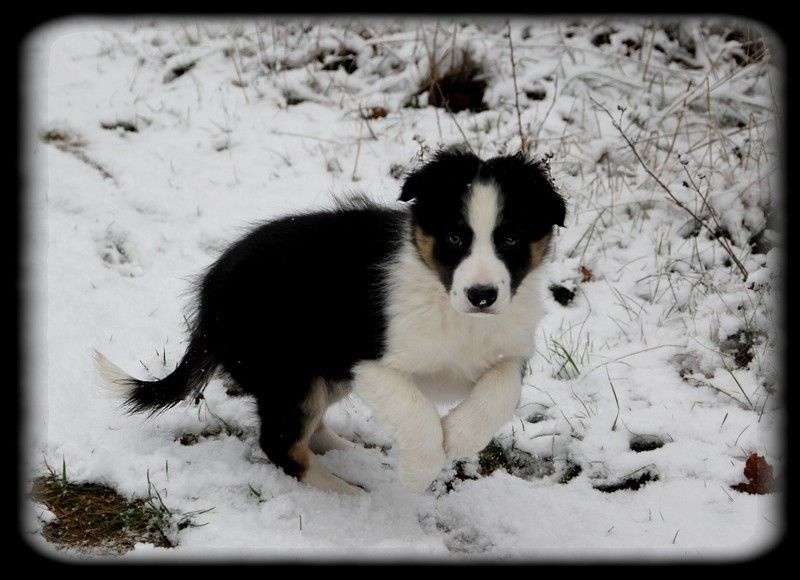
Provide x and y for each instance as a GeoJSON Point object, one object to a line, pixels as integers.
{"type": "Point", "coordinates": [95, 518]}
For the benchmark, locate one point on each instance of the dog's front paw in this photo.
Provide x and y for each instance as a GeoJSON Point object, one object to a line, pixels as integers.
{"type": "Point", "coordinates": [417, 469]}
{"type": "Point", "coordinates": [462, 438]}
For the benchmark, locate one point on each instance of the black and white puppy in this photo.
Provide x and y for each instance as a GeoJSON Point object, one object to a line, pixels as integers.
{"type": "Point", "coordinates": [438, 299]}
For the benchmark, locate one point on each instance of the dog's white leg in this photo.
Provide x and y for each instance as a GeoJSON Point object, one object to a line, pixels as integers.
{"type": "Point", "coordinates": [316, 474]}
{"type": "Point", "coordinates": [324, 440]}
{"type": "Point", "coordinates": [469, 427]}
{"type": "Point", "coordinates": [319, 476]}
{"type": "Point", "coordinates": [411, 417]}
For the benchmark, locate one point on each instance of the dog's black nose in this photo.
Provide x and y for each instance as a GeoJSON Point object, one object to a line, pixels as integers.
{"type": "Point", "coordinates": [482, 296]}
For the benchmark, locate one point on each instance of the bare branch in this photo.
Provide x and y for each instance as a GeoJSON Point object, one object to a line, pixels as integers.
{"type": "Point", "coordinates": [523, 141]}
{"type": "Point", "coordinates": [674, 199]}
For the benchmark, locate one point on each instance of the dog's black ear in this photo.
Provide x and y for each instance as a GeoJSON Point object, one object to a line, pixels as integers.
{"type": "Point", "coordinates": [555, 201]}
{"type": "Point", "coordinates": [559, 208]}
{"type": "Point", "coordinates": [531, 179]}
{"type": "Point", "coordinates": [413, 185]}
{"type": "Point", "coordinates": [445, 170]}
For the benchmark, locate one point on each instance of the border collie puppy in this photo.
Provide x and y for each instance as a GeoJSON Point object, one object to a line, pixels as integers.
{"type": "Point", "coordinates": [405, 307]}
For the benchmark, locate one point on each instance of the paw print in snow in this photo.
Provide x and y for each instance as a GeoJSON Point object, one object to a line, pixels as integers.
{"type": "Point", "coordinates": [117, 253]}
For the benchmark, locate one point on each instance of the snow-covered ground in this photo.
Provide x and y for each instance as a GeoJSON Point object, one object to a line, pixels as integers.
{"type": "Point", "coordinates": [152, 143]}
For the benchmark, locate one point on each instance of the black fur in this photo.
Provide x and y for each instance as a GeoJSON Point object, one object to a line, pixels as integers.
{"type": "Point", "coordinates": [301, 293]}
{"type": "Point", "coordinates": [302, 297]}
{"type": "Point", "coordinates": [190, 378]}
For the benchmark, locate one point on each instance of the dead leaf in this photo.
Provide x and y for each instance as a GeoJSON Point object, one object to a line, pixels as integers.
{"type": "Point", "coordinates": [759, 475]}
{"type": "Point", "coordinates": [375, 113]}
{"type": "Point", "coordinates": [586, 274]}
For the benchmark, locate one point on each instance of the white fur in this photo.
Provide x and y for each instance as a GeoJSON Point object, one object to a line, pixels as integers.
{"type": "Point", "coordinates": [115, 381]}
{"type": "Point", "coordinates": [481, 267]}
{"type": "Point", "coordinates": [409, 415]}
{"type": "Point", "coordinates": [433, 351]}
{"type": "Point", "coordinates": [470, 426]}
{"type": "Point", "coordinates": [324, 440]}
{"type": "Point", "coordinates": [319, 476]}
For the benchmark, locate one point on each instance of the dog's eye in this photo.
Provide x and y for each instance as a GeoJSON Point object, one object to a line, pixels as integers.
{"type": "Point", "coordinates": [454, 240]}
{"type": "Point", "coordinates": [510, 242]}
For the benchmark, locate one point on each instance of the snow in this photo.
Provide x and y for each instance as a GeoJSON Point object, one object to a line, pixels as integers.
{"type": "Point", "coordinates": [119, 222]}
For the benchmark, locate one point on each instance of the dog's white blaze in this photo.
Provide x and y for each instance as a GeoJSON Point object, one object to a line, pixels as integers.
{"type": "Point", "coordinates": [481, 267]}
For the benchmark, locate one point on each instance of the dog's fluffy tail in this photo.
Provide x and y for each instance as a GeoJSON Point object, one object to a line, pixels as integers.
{"type": "Point", "coordinates": [189, 378]}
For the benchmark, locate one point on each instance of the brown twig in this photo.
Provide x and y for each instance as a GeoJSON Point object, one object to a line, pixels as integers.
{"type": "Point", "coordinates": [713, 214]}
{"type": "Point", "coordinates": [677, 128]}
{"type": "Point", "coordinates": [240, 82]}
{"type": "Point", "coordinates": [523, 142]}
{"type": "Point", "coordinates": [354, 177]}
{"type": "Point", "coordinates": [455, 121]}
{"type": "Point", "coordinates": [547, 114]}
{"type": "Point", "coordinates": [650, 50]}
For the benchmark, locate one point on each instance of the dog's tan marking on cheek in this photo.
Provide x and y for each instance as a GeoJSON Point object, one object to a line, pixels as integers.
{"type": "Point", "coordinates": [539, 251]}
{"type": "Point", "coordinates": [424, 243]}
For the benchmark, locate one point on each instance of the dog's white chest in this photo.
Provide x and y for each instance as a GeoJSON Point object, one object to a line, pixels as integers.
{"type": "Point", "coordinates": [424, 342]}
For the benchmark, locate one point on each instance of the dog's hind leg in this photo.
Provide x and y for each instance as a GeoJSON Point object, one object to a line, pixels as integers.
{"type": "Point", "coordinates": [318, 475]}
{"type": "Point", "coordinates": [286, 431]}
{"type": "Point", "coordinates": [324, 440]}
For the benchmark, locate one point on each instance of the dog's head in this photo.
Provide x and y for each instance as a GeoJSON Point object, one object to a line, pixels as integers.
{"type": "Point", "coordinates": [482, 226]}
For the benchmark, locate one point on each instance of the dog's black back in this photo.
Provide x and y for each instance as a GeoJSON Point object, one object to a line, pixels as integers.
{"type": "Point", "coordinates": [302, 293]}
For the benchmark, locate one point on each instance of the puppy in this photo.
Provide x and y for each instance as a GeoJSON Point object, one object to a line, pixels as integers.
{"type": "Point", "coordinates": [436, 300]}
